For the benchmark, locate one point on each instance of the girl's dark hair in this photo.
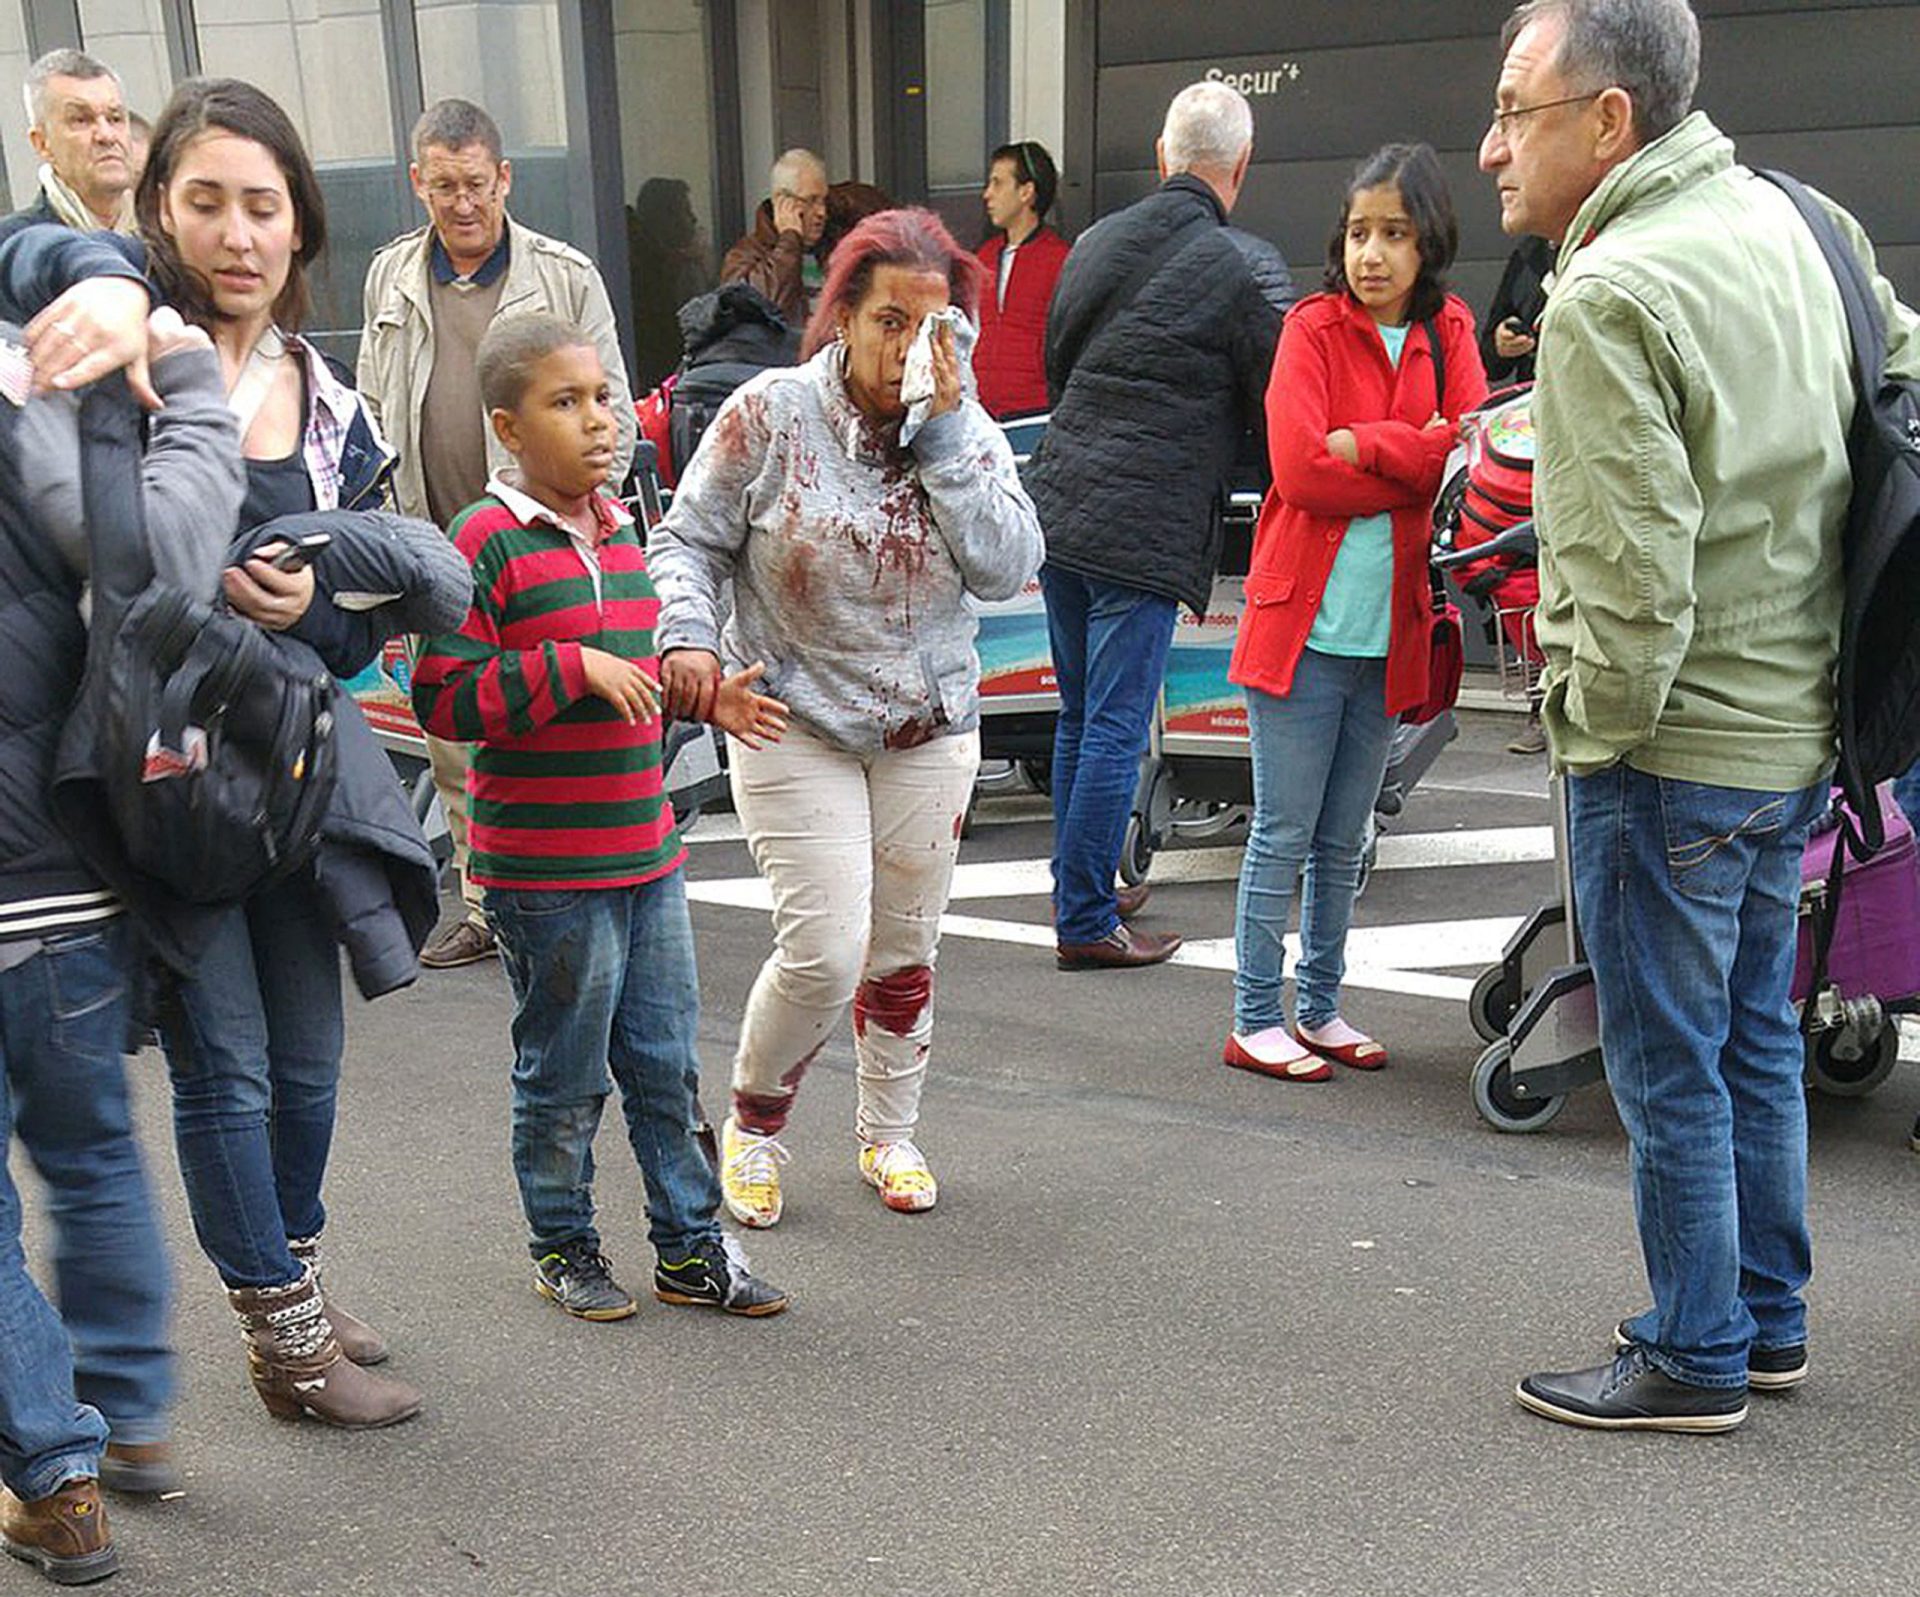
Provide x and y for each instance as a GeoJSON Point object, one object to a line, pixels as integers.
{"type": "Point", "coordinates": [1031, 164]}
{"type": "Point", "coordinates": [1414, 170]}
{"type": "Point", "coordinates": [227, 105]}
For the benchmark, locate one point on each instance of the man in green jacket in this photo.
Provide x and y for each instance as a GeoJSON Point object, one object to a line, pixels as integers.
{"type": "Point", "coordinates": [1694, 393]}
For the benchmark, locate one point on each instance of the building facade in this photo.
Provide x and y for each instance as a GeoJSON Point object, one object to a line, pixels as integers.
{"type": "Point", "coordinates": [598, 99]}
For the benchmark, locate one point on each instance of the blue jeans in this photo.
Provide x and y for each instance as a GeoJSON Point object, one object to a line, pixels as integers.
{"type": "Point", "coordinates": [63, 1021]}
{"type": "Point", "coordinates": [1318, 757]}
{"type": "Point", "coordinates": [1109, 655]}
{"type": "Point", "coordinates": [1687, 896]}
{"type": "Point", "coordinates": [1906, 788]}
{"type": "Point", "coordinates": [603, 978]}
{"type": "Point", "coordinates": [254, 1047]}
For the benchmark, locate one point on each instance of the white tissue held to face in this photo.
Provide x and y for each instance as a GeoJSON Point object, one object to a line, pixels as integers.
{"type": "Point", "coordinates": [916, 381]}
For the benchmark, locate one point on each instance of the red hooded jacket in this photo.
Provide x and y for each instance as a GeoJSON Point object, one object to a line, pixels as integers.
{"type": "Point", "coordinates": [1332, 371]}
{"type": "Point", "coordinates": [1009, 362]}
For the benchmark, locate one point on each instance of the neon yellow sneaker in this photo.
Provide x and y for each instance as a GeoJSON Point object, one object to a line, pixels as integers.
{"type": "Point", "coordinates": [899, 1170]}
{"type": "Point", "coordinates": [750, 1175]}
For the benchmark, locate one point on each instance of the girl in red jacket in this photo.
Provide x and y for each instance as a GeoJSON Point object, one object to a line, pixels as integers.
{"type": "Point", "coordinates": [1333, 644]}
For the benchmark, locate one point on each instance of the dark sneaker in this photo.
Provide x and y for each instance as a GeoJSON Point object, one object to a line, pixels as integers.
{"type": "Point", "coordinates": [64, 1535]}
{"type": "Point", "coordinates": [465, 943]}
{"type": "Point", "coordinates": [1769, 1369]}
{"type": "Point", "coordinates": [580, 1280]}
{"type": "Point", "coordinates": [1632, 1394]}
{"type": "Point", "coordinates": [717, 1278]}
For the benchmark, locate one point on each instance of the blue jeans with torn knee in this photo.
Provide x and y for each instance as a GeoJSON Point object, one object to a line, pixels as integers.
{"type": "Point", "coordinates": [1687, 896]}
{"type": "Point", "coordinates": [605, 991]}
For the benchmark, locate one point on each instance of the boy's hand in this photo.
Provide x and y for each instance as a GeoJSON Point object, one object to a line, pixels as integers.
{"type": "Point", "coordinates": [689, 679]}
{"type": "Point", "coordinates": [748, 715]}
{"type": "Point", "coordinates": [621, 683]}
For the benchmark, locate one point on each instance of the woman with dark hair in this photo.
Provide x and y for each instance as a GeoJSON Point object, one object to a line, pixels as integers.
{"type": "Point", "coordinates": [667, 266]}
{"type": "Point", "coordinates": [1334, 641]}
{"type": "Point", "coordinates": [1023, 259]}
{"type": "Point", "coordinates": [232, 216]}
{"type": "Point", "coordinates": [851, 556]}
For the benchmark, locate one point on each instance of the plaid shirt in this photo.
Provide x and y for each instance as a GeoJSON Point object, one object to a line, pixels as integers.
{"type": "Point", "coordinates": [335, 405]}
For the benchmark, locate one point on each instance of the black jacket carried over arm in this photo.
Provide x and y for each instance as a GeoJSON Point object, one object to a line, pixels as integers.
{"type": "Point", "coordinates": [1151, 402]}
{"type": "Point", "coordinates": [1522, 295]}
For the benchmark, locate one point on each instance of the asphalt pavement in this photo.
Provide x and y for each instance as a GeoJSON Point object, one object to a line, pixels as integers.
{"type": "Point", "coordinates": [1173, 1329]}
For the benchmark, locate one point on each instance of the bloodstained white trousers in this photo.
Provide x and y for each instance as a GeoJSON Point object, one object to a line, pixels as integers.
{"type": "Point", "coordinates": [858, 850]}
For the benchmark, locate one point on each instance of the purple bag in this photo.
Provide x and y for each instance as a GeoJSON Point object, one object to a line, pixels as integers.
{"type": "Point", "coordinates": [1876, 943]}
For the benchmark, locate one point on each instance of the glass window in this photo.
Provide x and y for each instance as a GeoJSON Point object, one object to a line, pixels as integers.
{"type": "Point", "coordinates": [131, 37]}
{"type": "Point", "coordinates": [326, 66]}
{"type": "Point", "coordinates": [956, 93]}
{"type": "Point", "coordinates": [504, 56]}
{"type": "Point", "coordinates": [20, 179]}
{"type": "Point", "coordinates": [667, 161]}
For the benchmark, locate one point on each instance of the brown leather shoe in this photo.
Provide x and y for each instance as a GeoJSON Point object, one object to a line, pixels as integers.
{"type": "Point", "coordinates": [298, 1365]}
{"type": "Point", "coordinates": [1131, 899]}
{"type": "Point", "coordinates": [141, 1469]}
{"type": "Point", "coordinates": [1120, 949]}
{"type": "Point", "coordinates": [64, 1536]}
{"type": "Point", "coordinates": [358, 1340]}
{"type": "Point", "coordinates": [465, 943]}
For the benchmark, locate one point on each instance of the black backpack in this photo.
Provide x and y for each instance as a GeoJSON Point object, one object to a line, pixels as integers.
{"type": "Point", "coordinates": [202, 755]}
{"type": "Point", "coordinates": [1879, 675]}
{"type": "Point", "coordinates": [732, 334]}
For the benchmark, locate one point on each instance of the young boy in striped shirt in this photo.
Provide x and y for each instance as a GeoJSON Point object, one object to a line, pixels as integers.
{"type": "Point", "coordinates": [552, 678]}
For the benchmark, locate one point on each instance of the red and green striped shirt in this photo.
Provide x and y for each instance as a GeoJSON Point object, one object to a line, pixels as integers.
{"type": "Point", "coordinates": [563, 792]}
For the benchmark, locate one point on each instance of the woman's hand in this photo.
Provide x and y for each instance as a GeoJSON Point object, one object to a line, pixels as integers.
{"type": "Point", "coordinates": [265, 595]}
{"type": "Point", "coordinates": [98, 326]}
{"type": "Point", "coordinates": [168, 335]}
{"type": "Point", "coordinates": [748, 715]}
{"type": "Point", "coordinates": [689, 683]}
{"type": "Point", "coordinates": [621, 683]}
{"type": "Point", "coordinates": [946, 373]}
{"type": "Point", "coordinates": [1342, 445]}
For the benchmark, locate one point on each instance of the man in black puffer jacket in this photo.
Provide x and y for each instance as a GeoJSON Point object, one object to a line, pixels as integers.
{"type": "Point", "coordinates": [1159, 343]}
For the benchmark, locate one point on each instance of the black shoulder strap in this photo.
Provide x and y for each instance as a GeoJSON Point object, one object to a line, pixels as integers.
{"type": "Point", "coordinates": [119, 562]}
{"type": "Point", "coordinates": [1149, 268]}
{"type": "Point", "coordinates": [1439, 354]}
{"type": "Point", "coordinates": [1864, 326]}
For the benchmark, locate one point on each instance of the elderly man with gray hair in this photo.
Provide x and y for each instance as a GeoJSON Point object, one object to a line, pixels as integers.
{"type": "Point", "coordinates": [1695, 395]}
{"type": "Point", "coordinates": [77, 124]}
{"type": "Point", "coordinates": [1159, 345]}
{"type": "Point", "coordinates": [781, 255]}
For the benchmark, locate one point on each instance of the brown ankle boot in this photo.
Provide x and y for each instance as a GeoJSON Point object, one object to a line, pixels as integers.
{"type": "Point", "coordinates": [358, 1340]}
{"type": "Point", "coordinates": [299, 1368]}
{"type": "Point", "coordinates": [64, 1535]}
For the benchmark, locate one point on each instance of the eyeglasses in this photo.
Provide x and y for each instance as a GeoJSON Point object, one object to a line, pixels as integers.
{"type": "Point", "coordinates": [474, 190]}
{"type": "Point", "coordinates": [1503, 121]}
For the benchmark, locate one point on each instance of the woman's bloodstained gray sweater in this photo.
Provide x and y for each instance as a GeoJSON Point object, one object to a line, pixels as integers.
{"type": "Point", "coordinates": [851, 558]}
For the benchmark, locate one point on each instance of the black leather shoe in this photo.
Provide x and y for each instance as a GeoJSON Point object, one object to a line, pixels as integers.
{"type": "Point", "coordinates": [1632, 1394]}
{"type": "Point", "coordinates": [1120, 949]}
{"type": "Point", "coordinates": [1769, 1369]}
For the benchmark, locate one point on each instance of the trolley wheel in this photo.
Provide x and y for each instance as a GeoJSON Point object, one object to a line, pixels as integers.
{"type": "Point", "coordinates": [1851, 1078]}
{"type": "Point", "coordinates": [1491, 1005]}
{"type": "Point", "coordinates": [1136, 852]}
{"type": "Point", "coordinates": [1493, 1094]}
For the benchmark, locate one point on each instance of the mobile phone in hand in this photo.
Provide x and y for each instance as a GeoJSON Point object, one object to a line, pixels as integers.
{"type": "Point", "coordinates": [300, 552]}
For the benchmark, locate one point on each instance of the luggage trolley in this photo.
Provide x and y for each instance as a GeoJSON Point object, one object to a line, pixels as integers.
{"type": "Point", "coordinates": [1196, 779]}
